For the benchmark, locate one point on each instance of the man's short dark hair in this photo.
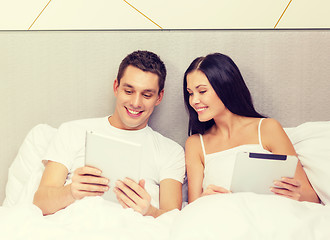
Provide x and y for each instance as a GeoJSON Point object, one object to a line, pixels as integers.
{"type": "Point", "coordinates": [145, 61]}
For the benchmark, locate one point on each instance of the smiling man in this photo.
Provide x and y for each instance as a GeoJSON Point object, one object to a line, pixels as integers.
{"type": "Point", "coordinates": [138, 88]}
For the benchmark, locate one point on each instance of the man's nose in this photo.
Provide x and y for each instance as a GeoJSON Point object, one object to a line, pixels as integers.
{"type": "Point", "coordinates": [136, 101]}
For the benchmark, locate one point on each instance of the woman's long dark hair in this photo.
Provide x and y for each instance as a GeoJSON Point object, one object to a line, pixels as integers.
{"type": "Point", "coordinates": [227, 81]}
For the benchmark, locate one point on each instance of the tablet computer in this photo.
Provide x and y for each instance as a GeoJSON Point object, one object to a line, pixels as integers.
{"type": "Point", "coordinates": [115, 157]}
{"type": "Point", "coordinates": [256, 172]}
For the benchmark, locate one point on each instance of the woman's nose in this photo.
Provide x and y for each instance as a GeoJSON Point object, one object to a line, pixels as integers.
{"type": "Point", "coordinates": [195, 99]}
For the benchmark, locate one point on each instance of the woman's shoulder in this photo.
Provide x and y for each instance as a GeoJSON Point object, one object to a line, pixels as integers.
{"type": "Point", "coordinates": [272, 133]}
{"type": "Point", "coordinates": [274, 138]}
{"type": "Point", "coordinates": [193, 140]}
{"type": "Point", "coordinates": [270, 124]}
{"type": "Point", "coordinates": [193, 149]}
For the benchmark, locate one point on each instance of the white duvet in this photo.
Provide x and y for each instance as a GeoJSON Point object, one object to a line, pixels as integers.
{"type": "Point", "coordinates": [222, 216]}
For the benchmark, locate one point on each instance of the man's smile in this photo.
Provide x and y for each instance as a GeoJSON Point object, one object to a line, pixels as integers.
{"type": "Point", "coordinates": [133, 113]}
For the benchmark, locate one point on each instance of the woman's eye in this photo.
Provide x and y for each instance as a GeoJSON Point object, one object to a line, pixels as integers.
{"type": "Point", "coordinates": [202, 92]}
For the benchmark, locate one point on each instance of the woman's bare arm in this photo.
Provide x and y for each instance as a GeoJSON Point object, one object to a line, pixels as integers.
{"type": "Point", "coordinates": [274, 139]}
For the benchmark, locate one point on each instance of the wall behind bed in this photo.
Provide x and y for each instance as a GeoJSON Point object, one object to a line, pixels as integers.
{"type": "Point", "coordinates": [56, 76]}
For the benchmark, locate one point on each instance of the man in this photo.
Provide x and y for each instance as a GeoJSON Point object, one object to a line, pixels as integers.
{"type": "Point", "coordinates": [138, 88]}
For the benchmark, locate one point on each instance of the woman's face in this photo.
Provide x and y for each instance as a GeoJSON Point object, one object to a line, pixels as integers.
{"type": "Point", "coordinates": [202, 97]}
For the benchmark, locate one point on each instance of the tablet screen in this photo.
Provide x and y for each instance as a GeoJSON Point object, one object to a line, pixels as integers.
{"type": "Point", "coordinates": [117, 158]}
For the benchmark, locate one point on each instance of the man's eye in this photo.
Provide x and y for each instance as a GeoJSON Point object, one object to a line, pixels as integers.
{"type": "Point", "coordinates": [128, 92]}
{"type": "Point", "coordinates": [147, 95]}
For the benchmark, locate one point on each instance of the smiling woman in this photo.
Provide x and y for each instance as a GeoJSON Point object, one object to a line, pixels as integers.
{"type": "Point", "coordinates": [202, 96]}
{"type": "Point", "coordinates": [223, 122]}
{"type": "Point", "coordinates": [217, 77]}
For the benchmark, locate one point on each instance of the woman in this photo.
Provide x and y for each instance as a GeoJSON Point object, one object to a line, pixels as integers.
{"type": "Point", "coordinates": [222, 122]}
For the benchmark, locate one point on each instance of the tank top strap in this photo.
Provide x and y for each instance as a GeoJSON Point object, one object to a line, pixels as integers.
{"type": "Point", "coordinates": [202, 143]}
{"type": "Point", "coordinates": [259, 132]}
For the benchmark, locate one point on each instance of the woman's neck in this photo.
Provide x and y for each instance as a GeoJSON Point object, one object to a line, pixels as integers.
{"type": "Point", "coordinates": [227, 124]}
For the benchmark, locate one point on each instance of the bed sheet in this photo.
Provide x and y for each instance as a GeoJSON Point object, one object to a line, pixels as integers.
{"type": "Point", "coordinates": [221, 216]}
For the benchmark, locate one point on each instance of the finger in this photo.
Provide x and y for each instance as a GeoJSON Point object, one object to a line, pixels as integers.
{"type": "Point", "coordinates": [121, 202]}
{"type": "Point", "coordinates": [284, 185]}
{"type": "Point", "coordinates": [291, 181]}
{"type": "Point", "coordinates": [141, 192]}
{"type": "Point", "coordinates": [93, 180]}
{"type": "Point", "coordinates": [283, 191]}
{"type": "Point", "coordinates": [129, 192]}
{"type": "Point", "coordinates": [294, 196]}
{"type": "Point", "coordinates": [207, 192]}
{"type": "Point", "coordinates": [86, 193]}
{"type": "Point", "coordinates": [218, 189]}
{"type": "Point", "coordinates": [92, 188]}
{"type": "Point", "coordinates": [88, 170]}
{"type": "Point", "coordinates": [142, 183]}
{"type": "Point", "coordinates": [124, 198]}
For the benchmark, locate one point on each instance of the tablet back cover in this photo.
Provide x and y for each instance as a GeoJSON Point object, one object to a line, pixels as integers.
{"type": "Point", "coordinates": [255, 172]}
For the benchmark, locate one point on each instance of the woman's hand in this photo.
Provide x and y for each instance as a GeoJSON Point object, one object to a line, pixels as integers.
{"type": "Point", "coordinates": [213, 189]}
{"type": "Point", "coordinates": [133, 195]}
{"type": "Point", "coordinates": [287, 187]}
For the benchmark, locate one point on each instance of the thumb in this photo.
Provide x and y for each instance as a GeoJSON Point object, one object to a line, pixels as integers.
{"type": "Point", "coordinates": [142, 182]}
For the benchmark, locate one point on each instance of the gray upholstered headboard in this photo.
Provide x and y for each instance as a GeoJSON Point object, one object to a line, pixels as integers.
{"type": "Point", "coordinates": [55, 76]}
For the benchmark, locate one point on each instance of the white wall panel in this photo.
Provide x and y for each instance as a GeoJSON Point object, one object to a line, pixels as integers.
{"type": "Point", "coordinates": [56, 76]}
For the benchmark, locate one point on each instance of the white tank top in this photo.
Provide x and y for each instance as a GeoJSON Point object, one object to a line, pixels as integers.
{"type": "Point", "coordinates": [219, 166]}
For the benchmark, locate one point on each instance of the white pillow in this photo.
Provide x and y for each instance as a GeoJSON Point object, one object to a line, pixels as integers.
{"type": "Point", "coordinates": [311, 141]}
{"type": "Point", "coordinates": [26, 170]}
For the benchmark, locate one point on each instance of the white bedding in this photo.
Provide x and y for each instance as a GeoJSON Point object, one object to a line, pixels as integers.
{"type": "Point", "coordinates": [251, 216]}
{"type": "Point", "coordinates": [89, 218]}
{"type": "Point", "coordinates": [223, 216]}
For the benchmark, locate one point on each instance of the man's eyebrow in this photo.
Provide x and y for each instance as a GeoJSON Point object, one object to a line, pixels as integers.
{"type": "Point", "coordinates": [127, 85]}
{"type": "Point", "coordinates": [149, 90]}
{"type": "Point", "coordinates": [145, 90]}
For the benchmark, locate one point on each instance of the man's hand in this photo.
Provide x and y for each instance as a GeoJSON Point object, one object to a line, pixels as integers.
{"type": "Point", "coordinates": [133, 195]}
{"type": "Point", "coordinates": [87, 181]}
{"type": "Point", "coordinates": [213, 189]}
{"type": "Point", "coordinates": [287, 187]}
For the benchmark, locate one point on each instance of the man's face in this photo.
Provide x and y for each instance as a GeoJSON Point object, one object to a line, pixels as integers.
{"type": "Point", "coordinates": [137, 95]}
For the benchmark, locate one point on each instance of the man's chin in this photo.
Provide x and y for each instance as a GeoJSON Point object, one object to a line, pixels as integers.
{"type": "Point", "coordinates": [134, 125]}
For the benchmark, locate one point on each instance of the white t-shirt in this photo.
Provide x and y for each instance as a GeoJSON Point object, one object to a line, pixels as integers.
{"type": "Point", "coordinates": [162, 157]}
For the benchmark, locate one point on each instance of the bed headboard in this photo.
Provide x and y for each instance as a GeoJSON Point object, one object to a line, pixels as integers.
{"type": "Point", "coordinates": [55, 76]}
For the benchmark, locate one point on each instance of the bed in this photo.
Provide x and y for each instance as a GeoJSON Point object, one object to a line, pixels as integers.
{"type": "Point", "coordinates": [50, 77]}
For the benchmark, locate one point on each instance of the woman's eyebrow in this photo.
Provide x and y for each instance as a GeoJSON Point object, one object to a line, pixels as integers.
{"type": "Point", "coordinates": [201, 85]}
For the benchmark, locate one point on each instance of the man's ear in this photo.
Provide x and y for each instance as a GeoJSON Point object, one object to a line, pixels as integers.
{"type": "Point", "coordinates": [115, 87]}
{"type": "Point", "coordinates": [160, 97]}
